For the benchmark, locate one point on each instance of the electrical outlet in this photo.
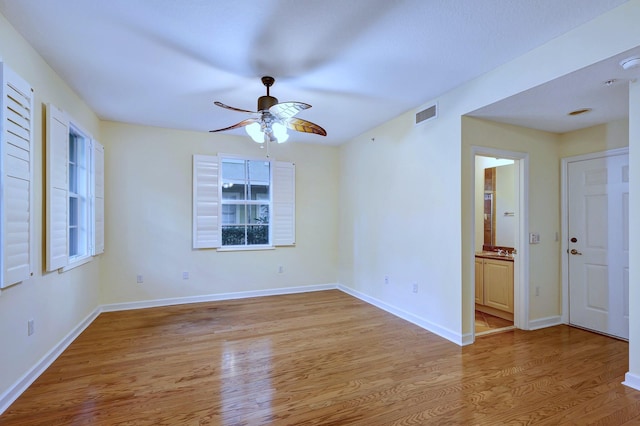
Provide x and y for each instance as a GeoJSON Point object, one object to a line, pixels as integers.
{"type": "Point", "coordinates": [30, 327]}
{"type": "Point", "coordinates": [415, 287]}
{"type": "Point", "coordinates": [537, 290]}
{"type": "Point", "coordinates": [139, 279]}
{"type": "Point", "coordinates": [185, 275]}
{"type": "Point", "coordinates": [386, 279]}
{"type": "Point", "coordinates": [280, 269]}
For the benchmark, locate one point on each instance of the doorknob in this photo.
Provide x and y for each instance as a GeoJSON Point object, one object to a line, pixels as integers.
{"type": "Point", "coordinates": [575, 252]}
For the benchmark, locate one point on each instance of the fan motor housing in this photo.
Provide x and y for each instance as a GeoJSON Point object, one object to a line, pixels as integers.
{"type": "Point", "coordinates": [266, 102]}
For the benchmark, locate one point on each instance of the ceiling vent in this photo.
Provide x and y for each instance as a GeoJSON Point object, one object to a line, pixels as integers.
{"type": "Point", "coordinates": [427, 114]}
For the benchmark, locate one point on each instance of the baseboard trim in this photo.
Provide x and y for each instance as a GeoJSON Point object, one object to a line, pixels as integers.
{"type": "Point", "coordinates": [539, 323]}
{"type": "Point", "coordinates": [632, 380]}
{"type": "Point", "coordinates": [467, 339]}
{"type": "Point", "coordinates": [214, 297]}
{"type": "Point", "coordinates": [9, 396]}
{"type": "Point", "coordinates": [419, 321]}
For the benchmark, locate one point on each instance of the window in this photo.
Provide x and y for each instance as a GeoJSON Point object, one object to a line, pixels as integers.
{"type": "Point", "coordinates": [242, 203]}
{"type": "Point", "coordinates": [75, 193]}
{"type": "Point", "coordinates": [78, 195]}
{"type": "Point", "coordinates": [246, 202]}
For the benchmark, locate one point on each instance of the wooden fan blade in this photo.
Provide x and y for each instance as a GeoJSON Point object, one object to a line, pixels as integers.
{"type": "Point", "coordinates": [220, 104]}
{"type": "Point", "coordinates": [305, 126]}
{"type": "Point", "coordinates": [286, 110]}
{"type": "Point", "coordinates": [240, 124]}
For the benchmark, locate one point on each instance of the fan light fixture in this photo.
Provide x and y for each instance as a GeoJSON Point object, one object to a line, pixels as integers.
{"type": "Point", "coordinates": [260, 136]}
{"type": "Point", "coordinates": [272, 119]}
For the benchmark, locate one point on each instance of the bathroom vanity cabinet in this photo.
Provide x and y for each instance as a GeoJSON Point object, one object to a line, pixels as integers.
{"type": "Point", "coordinates": [494, 285]}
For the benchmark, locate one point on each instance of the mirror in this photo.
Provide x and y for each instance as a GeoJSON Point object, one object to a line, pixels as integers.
{"type": "Point", "coordinates": [495, 203]}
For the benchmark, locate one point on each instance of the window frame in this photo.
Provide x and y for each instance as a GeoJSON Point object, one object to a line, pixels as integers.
{"type": "Point", "coordinates": [246, 202]}
{"type": "Point", "coordinates": [60, 128]}
{"type": "Point", "coordinates": [84, 230]}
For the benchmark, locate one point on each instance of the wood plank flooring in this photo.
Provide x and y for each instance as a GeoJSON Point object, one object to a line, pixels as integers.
{"type": "Point", "coordinates": [322, 358]}
{"type": "Point", "coordinates": [486, 323]}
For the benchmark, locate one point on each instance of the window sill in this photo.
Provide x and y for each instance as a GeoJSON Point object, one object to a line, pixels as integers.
{"type": "Point", "coordinates": [246, 248]}
{"type": "Point", "coordinates": [75, 264]}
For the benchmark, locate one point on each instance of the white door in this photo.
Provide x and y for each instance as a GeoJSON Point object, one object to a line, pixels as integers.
{"type": "Point", "coordinates": [598, 225]}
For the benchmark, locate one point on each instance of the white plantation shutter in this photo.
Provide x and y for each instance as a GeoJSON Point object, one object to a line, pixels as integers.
{"type": "Point", "coordinates": [98, 194]}
{"type": "Point", "coordinates": [284, 204]}
{"type": "Point", "coordinates": [16, 178]}
{"type": "Point", "coordinates": [206, 200]}
{"type": "Point", "coordinates": [57, 188]}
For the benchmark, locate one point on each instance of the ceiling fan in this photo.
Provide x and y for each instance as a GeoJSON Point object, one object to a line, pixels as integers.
{"type": "Point", "coordinates": [271, 121]}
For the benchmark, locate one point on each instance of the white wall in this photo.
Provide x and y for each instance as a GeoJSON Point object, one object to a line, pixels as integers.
{"type": "Point", "coordinates": [56, 302]}
{"type": "Point", "coordinates": [397, 202]}
{"type": "Point", "coordinates": [403, 194]}
{"type": "Point", "coordinates": [148, 179]}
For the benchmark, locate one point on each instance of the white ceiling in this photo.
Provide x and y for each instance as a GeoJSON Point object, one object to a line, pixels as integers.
{"type": "Point", "coordinates": [358, 62]}
{"type": "Point", "coordinates": [602, 87]}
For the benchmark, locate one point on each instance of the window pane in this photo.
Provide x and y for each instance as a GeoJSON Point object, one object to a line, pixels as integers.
{"type": "Point", "coordinates": [83, 227]}
{"type": "Point", "coordinates": [73, 241]}
{"type": "Point", "coordinates": [233, 179]}
{"type": "Point", "coordinates": [259, 192]}
{"type": "Point", "coordinates": [258, 234]}
{"type": "Point", "coordinates": [232, 191]}
{"type": "Point", "coordinates": [259, 214]}
{"type": "Point", "coordinates": [233, 214]}
{"type": "Point", "coordinates": [233, 235]}
{"type": "Point", "coordinates": [73, 211]}
{"type": "Point", "coordinates": [228, 214]}
{"type": "Point", "coordinates": [72, 148]}
{"type": "Point", "coordinates": [234, 169]}
{"type": "Point", "coordinates": [258, 171]}
{"type": "Point", "coordinates": [73, 181]}
{"type": "Point", "coordinates": [243, 182]}
{"type": "Point", "coordinates": [258, 180]}
{"type": "Point", "coordinates": [73, 176]}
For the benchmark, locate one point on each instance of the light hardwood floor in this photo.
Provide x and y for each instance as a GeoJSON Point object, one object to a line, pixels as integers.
{"type": "Point", "coordinates": [487, 323]}
{"type": "Point", "coordinates": [322, 358]}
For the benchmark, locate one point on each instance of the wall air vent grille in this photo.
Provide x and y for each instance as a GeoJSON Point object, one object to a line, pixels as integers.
{"type": "Point", "coordinates": [427, 114]}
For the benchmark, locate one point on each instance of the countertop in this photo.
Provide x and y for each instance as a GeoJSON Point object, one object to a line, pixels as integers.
{"type": "Point", "coordinates": [493, 255]}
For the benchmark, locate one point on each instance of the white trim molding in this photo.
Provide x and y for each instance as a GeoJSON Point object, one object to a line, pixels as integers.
{"type": "Point", "coordinates": [214, 297]}
{"type": "Point", "coordinates": [446, 333]}
{"type": "Point", "coordinates": [521, 266]}
{"type": "Point", "coordinates": [539, 323]}
{"type": "Point", "coordinates": [632, 380]}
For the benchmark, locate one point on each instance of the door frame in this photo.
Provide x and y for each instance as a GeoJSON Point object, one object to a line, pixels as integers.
{"type": "Point", "coordinates": [564, 217]}
{"type": "Point", "coordinates": [521, 267]}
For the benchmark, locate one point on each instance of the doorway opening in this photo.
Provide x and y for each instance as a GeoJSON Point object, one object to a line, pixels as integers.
{"type": "Point", "coordinates": [500, 255]}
